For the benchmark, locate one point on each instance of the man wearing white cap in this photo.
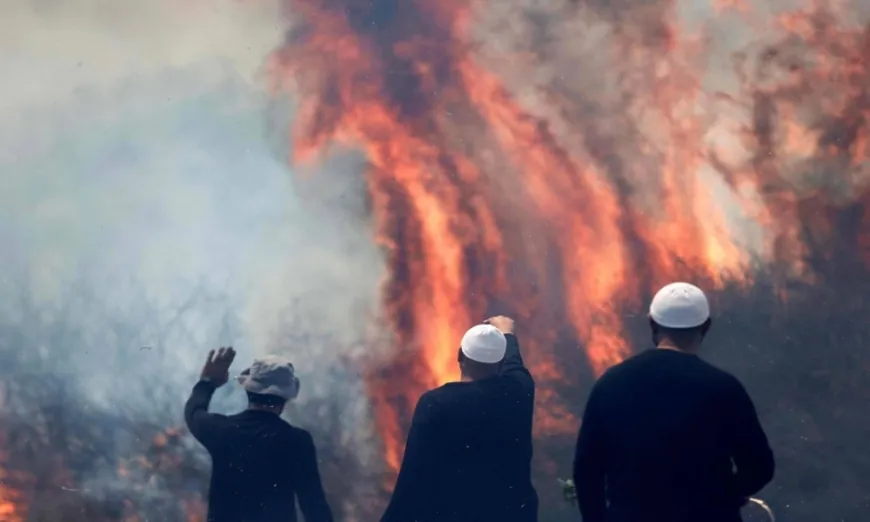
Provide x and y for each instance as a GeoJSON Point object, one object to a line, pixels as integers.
{"type": "Point", "coordinates": [667, 437]}
{"type": "Point", "coordinates": [260, 464]}
{"type": "Point", "coordinates": [469, 450]}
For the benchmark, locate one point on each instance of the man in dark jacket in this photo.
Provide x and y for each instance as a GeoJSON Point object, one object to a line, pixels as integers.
{"type": "Point", "coordinates": [667, 437]}
{"type": "Point", "coordinates": [260, 464]}
{"type": "Point", "coordinates": [469, 449]}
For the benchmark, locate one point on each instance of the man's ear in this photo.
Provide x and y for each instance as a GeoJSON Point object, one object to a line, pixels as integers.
{"type": "Point", "coordinates": [654, 331]}
{"type": "Point", "coordinates": [706, 327]}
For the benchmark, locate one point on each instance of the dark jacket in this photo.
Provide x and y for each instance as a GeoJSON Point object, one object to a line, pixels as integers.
{"type": "Point", "coordinates": [260, 464]}
{"type": "Point", "coordinates": [667, 437]}
{"type": "Point", "coordinates": [469, 450]}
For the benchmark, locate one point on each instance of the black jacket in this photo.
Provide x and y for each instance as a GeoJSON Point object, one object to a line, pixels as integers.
{"type": "Point", "coordinates": [667, 437]}
{"type": "Point", "coordinates": [260, 464]}
{"type": "Point", "coordinates": [469, 450]}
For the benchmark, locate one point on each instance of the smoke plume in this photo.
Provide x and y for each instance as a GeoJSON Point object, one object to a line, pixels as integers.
{"type": "Point", "coordinates": [353, 183]}
{"type": "Point", "coordinates": [147, 215]}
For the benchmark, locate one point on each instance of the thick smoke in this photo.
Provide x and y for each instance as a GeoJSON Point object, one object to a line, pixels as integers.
{"type": "Point", "coordinates": [147, 216]}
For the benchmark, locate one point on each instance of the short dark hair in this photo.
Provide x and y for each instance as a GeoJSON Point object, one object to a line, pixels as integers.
{"type": "Point", "coordinates": [262, 399]}
{"type": "Point", "coordinates": [477, 369]}
{"type": "Point", "coordinates": [681, 336]}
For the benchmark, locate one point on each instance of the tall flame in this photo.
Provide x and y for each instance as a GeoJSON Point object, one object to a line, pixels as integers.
{"type": "Point", "coordinates": [557, 161]}
{"type": "Point", "coordinates": [562, 181]}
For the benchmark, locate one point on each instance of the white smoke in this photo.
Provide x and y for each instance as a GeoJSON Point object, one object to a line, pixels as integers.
{"type": "Point", "coordinates": [147, 213]}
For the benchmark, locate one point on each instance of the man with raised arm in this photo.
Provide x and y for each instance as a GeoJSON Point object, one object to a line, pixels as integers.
{"type": "Point", "coordinates": [469, 449]}
{"type": "Point", "coordinates": [260, 464]}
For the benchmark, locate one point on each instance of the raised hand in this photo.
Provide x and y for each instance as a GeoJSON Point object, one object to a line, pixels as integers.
{"type": "Point", "coordinates": [217, 366]}
{"type": "Point", "coordinates": [504, 324]}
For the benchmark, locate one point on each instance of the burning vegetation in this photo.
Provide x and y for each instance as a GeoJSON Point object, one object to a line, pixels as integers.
{"type": "Point", "coordinates": [558, 161]}
{"type": "Point", "coordinates": [562, 159]}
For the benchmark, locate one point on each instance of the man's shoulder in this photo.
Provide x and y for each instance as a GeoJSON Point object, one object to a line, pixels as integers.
{"type": "Point", "coordinates": [649, 360]}
{"type": "Point", "coordinates": [295, 431]}
{"type": "Point", "coordinates": [438, 395]}
{"type": "Point", "coordinates": [279, 425]}
{"type": "Point", "coordinates": [652, 355]}
{"type": "Point", "coordinates": [461, 395]}
{"type": "Point", "coordinates": [721, 373]}
{"type": "Point", "coordinates": [445, 396]}
{"type": "Point", "coordinates": [625, 366]}
{"type": "Point", "coordinates": [299, 439]}
{"type": "Point", "coordinates": [717, 375]}
{"type": "Point", "coordinates": [723, 378]}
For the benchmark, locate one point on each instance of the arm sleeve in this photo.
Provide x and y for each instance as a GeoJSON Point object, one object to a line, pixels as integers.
{"type": "Point", "coordinates": [750, 451]}
{"type": "Point", "coordinates": [202, 424]}
{"type": "Point", "coordinates": [590, 462]}
{"type": "Point", "coordinates": [513, 365]}
{"type": "Point", "coordinates": [412, 486]}
{"type": "Point", "coordinates": [309, 491]}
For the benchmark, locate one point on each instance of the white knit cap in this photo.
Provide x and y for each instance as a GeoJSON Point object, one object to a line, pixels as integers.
{"type": "Point", "coordinates": [484, 343]}
{"type": "Point", "coordinates": [679, 305]}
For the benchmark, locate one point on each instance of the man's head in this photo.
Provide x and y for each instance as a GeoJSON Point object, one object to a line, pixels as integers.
{"type": "Point", "coordinates": [270, 382]}
{"type": "Point", "coordinates": [679, 316]}
{"type": "Point", "coordinates": [481, 352]}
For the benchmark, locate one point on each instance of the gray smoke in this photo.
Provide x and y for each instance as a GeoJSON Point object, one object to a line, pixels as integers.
{"type": "Point", "coordinates": [147, 214]}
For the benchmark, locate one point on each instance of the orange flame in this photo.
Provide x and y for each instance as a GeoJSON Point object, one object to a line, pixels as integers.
{"type": "Point", "coordinates": [493, 188]}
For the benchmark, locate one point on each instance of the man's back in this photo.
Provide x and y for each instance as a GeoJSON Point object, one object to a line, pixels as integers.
{"type": "Point", "coordinates": [664, 427]}
{"type": "Point", "coordinates": [469, 451]}
{"type": "Point", "coordinates": [485, 450]}
{"type": "Point", "coordinates": [253, 475]}
{"type": "Point", "coordinates": [260, 465]}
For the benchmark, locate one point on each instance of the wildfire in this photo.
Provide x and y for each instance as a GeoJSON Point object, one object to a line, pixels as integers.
{"type": "Point", "coordinates": [565, 163]}
{"type": "Point", "coordinates": [554, 160]}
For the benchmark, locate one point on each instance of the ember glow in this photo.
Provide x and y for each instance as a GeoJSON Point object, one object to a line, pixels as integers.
{"type": "Point", "coordinates": [11, 506]}
{"type": "Point", "coordinates": [560, 161]}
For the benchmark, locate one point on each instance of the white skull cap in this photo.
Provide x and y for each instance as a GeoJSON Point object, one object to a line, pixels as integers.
{"type": "Point", "coordinates": [484, 343]}
{"type": "Point", "coordinates": [679, 305]}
